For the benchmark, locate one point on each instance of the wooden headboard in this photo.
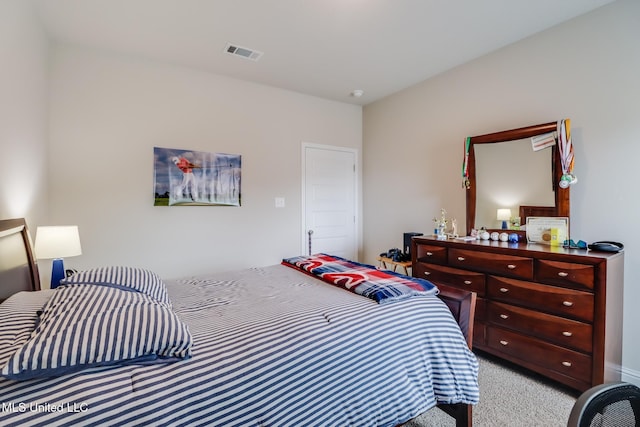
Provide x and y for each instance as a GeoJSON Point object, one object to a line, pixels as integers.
{"type": "Point", "coordinates": [18, 266]}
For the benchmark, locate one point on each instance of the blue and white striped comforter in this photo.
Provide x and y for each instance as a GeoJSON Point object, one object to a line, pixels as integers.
{"type": "Point", "coordinates": [272, 347]}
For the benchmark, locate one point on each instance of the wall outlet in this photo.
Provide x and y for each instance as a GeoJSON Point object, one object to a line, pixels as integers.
{"type": "Point", "coordinates": [279, 202]}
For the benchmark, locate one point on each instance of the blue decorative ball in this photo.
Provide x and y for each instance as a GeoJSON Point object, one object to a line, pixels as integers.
{"type": "Point", "coordinates": [513, 238]}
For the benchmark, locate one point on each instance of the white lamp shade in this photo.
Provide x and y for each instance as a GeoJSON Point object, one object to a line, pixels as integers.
{"type": "Point", "coordinates": [504, 214]}
{"type": "Point", "coordinates": [57, 242]}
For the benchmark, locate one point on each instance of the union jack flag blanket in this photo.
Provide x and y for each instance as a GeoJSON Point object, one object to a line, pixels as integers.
{"type": "Point", "coordinates": [382, 286]}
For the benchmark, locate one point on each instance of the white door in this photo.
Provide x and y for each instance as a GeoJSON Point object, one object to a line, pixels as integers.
{"type": "Point", "coordinates": [329, 200]}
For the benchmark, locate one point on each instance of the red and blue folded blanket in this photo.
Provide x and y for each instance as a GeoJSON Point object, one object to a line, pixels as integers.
{"type": "Point", "coordinates": [382, 286]}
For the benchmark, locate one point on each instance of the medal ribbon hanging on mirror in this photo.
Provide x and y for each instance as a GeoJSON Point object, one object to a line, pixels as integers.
{"type": "Point", "coordinates": [566, 153]}
{"type": "Point", "coordinates": [465, 164]}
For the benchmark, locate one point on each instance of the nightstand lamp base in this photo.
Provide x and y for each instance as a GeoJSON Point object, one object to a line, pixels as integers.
{"type": "Point", "coordinates": [57, 272]}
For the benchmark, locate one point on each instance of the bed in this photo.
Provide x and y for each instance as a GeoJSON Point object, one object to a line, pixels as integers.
{"type": "Point", "coordinates": [268, 346]}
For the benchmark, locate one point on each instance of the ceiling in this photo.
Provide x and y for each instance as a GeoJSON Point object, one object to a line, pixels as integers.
{"type": "Point", "coordinates": [324, 48]}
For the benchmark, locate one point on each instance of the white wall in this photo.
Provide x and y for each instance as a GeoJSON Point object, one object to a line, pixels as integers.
{"type": "Point", "coordinates": [23, 102]}
{"type": "Point", "coordinates": [107, 114]}
{"type": "Point", "coordinates": [586, 69]}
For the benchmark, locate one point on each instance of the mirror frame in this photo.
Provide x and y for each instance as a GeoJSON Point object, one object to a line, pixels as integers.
{"type": "Point", "coordinates": [562, 199]}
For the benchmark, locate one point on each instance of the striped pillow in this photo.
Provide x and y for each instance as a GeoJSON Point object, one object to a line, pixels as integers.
{"type": "Point", "coordinates": [84, 326]}
{"type": "Point", "coordinates": [18, 319]}
{"type": "Point", "coordinates": [128, 278]}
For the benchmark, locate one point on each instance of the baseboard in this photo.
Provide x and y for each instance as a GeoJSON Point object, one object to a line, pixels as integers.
{"type": "Point", "coordinates": [631, 376]}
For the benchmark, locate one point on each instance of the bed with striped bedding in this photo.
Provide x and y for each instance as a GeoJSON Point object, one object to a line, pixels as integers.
{"type": "Point", "coordinates": [271, 347]}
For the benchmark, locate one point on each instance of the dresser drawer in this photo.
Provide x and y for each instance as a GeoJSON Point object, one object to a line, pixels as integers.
{"type": "Point", "coordinates": [564, 273]}
{"type": "Point", "coordinates": [431, 254]}
{"type": "Point", "coordinates": [550, 299]}
{"type": "Point", "coordinates": [467, 280]}
{"type": "Point", "coordinates": [564, 332]}
{"type": "Point", "coordinates": [508, 265]}
{"type": "Point", "coordinates": [540, 353]}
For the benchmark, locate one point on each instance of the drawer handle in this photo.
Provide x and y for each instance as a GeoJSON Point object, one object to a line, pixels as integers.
{"type": "Point", "coordinates": [426, 273]}
{"type": "Point", "coordinates": [429, 253]}
{"type": "Point", "coordinates": [567, 303]}
{"type": "Point", "coordinates": [567, 364]}
{"type": "Point", "coordinates": [504, 316]}
{"type": "Point", "coordinates": [563, 274]}
{"type": "Point", "coordinates": [511, 266]}
{"type": "Point", "coordinates": [504, 290]}
{"type": "Point", "coordinates": [467, 282]}
{"type": "Point", "coordinates": [503, 342]}
{"type": "Point", "coordinates": [461, 258]}
{"type": "Point", "coordinates": [567, 333]}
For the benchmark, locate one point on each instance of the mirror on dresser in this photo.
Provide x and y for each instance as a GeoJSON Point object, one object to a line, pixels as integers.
{"type": "Point", "coordinates": [504, 172]}
{"type": "Point", "coordinates": [552, 310]}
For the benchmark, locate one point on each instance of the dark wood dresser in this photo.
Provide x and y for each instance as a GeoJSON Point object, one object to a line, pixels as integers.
{"type": "Point", "coordinates": [555, 311]}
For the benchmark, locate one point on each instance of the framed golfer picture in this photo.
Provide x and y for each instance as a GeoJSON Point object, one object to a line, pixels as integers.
{"type": "Point", "coordinates": [196, 178]}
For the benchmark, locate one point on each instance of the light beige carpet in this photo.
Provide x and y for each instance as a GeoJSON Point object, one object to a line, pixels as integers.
{"type": "Point", "coordinates": [510, 398]}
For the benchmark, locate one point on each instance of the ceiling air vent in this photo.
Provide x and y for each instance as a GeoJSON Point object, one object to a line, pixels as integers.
{"type": "Point", "coordinates": [242, 52]}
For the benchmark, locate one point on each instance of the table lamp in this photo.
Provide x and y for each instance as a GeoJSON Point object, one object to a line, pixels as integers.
{"type": "Point", "coordinates": [504, 215]}
{"type": "Point", "coordinates": [57, 242]}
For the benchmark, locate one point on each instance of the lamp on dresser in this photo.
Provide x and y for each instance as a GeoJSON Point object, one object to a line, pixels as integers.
{"type": "Point", "coordinates": [57, 242]}
{"type": "Point", "coordinates": [504, 215]}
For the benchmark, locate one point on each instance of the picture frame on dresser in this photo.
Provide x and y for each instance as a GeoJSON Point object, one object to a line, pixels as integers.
{"type": "Point", "coordinates": [549, 230]}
